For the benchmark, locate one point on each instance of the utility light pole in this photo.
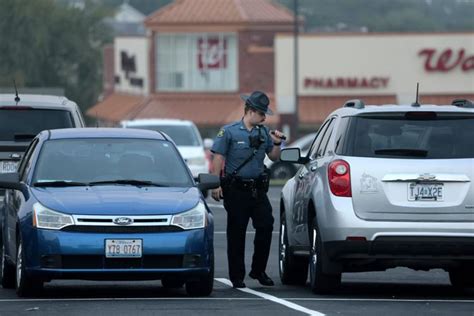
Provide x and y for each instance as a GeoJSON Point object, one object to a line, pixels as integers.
{"type": "Point", "coordinates": [294, 128]}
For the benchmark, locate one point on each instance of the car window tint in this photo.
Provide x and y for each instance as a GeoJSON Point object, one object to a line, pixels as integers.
{"type": "Point", "coordinates": [341, 131]}
{"type": "Point", "coordinates": [15, 123]}
{"type": "Point", "coordinates": [26, 161]}
{"type": "Point", "coordinates": [317, 140]}
{"type": "Point", "coordinates": [103, 159]}
{"type": "Point", "coordinates": [325, 140]}
{"type": "Point", "coordinates": [182, 135]}
{"type": "Point", "coordinates": [443, 135]}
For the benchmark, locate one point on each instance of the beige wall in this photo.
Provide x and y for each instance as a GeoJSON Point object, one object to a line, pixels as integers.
{"type": "Point", "coordinates": [389, 63]}
{"type": "Point", "coordinates": [137, 49]}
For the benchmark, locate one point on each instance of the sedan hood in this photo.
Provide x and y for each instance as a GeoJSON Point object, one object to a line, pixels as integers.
{"type": "Point", "coordinates": [118, 200]}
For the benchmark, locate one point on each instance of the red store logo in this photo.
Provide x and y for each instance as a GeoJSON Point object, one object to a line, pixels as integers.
{"type": "Point", "coordinates": [212, 53]}
{"type": "Point", "coordinates": [447, 60]}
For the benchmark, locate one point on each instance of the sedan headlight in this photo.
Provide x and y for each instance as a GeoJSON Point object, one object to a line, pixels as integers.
{"type": "Point", "coordinates": [192, 219]}
{"type": "Point", "coordinates": [43, 217]}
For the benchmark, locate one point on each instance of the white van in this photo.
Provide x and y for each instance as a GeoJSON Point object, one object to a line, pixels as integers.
{"type": "Point", "coordinates": [185, 135]}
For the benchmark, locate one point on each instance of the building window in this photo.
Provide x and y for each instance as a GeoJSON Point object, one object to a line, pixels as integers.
{"type": "Point", "coordinates": [196, 62]}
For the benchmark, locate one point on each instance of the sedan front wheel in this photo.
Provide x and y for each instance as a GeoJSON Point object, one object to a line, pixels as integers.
{"type": "Point", "coordinates": [25, 284]}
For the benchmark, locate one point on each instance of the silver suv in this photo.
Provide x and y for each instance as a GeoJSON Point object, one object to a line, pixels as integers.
{"type": "Point", "coordinates": [381, 187]}
{"type": "Point", "coordinates": [23, 117]}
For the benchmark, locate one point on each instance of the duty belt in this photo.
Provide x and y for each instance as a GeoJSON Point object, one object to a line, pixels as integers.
{"type": "Point", "coordinates": [252, 185]}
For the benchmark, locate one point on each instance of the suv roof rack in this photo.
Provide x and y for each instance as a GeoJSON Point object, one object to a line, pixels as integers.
{"type": "Point", "coordinates": [355, 103]}
{"type": "Point", "coordinates": [463, 103]}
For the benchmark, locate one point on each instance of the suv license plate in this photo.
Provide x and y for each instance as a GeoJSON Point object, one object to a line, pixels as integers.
{"type": "Point", "coordinates": [425, 192]}
{"type": "Point", "coordinates": [123, 248]}
{"type": "Point", "coordinates": [8, 166]}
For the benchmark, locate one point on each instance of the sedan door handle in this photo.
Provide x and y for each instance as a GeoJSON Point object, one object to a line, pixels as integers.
{"type": "Point", "coordinates": [313, 168]}
{"type": "Point", "coordinates": [301, 175]}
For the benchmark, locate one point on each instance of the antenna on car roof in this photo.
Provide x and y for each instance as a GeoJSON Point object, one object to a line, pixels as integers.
{"type": "Point", "coordinates": [17, 98]}
{"type": "Point", "coordinates": [416, 103]}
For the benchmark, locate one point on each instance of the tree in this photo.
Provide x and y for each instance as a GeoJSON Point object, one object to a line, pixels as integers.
{"type": "Point", "coordinates": [48, 44]}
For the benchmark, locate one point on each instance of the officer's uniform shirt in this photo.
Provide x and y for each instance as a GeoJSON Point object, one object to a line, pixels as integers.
{"type": "Point", "coordinates": [233, 143]}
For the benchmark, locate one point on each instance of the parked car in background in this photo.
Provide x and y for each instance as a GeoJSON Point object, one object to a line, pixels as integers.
{"type": "Point", "coordinates": [381, 187]}
{"type": "Point", "coordinates": [285, 170]}
{"type": "Point", "coordinates": [186, 137]}
{"type": "Point", "coordinates": [106, 204]}
{"type": "Point", "coordinates": [23, 118]}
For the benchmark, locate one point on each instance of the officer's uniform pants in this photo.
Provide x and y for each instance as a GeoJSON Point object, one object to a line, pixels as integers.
{"type": "Point", "coordinates": [240, 206]}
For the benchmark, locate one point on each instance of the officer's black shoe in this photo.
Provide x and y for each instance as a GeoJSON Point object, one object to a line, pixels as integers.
{"type": "Point", "coordinates": [238, 284]}
{"type": "Point", "coordinates": [263, 278]}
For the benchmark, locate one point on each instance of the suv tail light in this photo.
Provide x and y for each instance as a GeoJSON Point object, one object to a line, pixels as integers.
{"type": "Point", "coordinates": [340, 178]}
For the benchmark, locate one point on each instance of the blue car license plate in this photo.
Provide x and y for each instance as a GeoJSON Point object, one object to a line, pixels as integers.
{"type": "Point", "coordinates": [425, 192]}
{"type": "Point", "coordinates": [123, 248]}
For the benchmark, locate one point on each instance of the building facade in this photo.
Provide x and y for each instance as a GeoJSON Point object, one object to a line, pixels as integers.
{"type": "Point", "coordinates": [198, 56]}
{"type": "Point", "coordinates": [202, 54]}
{"type": "Point", "coordinates": [377, 68]}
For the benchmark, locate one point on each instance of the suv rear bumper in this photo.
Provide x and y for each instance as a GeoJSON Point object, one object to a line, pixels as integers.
{"type": "Point", "coordinates": [339, 223]}
{"type": "Point", "coordinates": [419, 253]}
{"type": "Point", "coordinates": [403, 247]}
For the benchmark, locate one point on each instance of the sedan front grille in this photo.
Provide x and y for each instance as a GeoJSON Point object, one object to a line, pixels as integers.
{"type": "Point", "coordinates": [122, 224]}
{"type": "Point", "coordinates": [122, 229]}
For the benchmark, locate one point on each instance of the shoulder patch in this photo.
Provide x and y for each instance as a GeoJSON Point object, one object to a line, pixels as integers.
{"type": "Point", "coordinates": [221, 133]}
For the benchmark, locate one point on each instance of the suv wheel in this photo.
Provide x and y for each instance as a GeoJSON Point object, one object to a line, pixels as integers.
{"type": "Point", "coordinates": [461, 277]}
{"type": "Point", "coordinates": [204, 285]}
{"type": "Point", "coordinates": [321, 283]}
{"type": "Point", "coordinates": [7, 270]}
{"type": "Point", "coordinates": [25, 284]}
{"type": "Point", "coordinates": [293, 270]}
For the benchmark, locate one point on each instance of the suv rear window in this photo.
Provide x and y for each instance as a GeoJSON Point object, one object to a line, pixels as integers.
{"type": "Point", "coordinates": [23, 124]}
{"type": "Point", "coordinates": [422, 135]}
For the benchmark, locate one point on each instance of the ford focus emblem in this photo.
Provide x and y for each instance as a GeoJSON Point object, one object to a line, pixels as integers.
{"type": "Point", "coordinates": [123, 221]}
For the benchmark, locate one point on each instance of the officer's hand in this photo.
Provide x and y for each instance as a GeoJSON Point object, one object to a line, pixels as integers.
{"type": "Point", "coordinates": [277, 136]}
{"type": "Point", "coordinates": [217, 194]}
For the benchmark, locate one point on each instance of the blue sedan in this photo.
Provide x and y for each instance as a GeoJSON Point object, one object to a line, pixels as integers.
{"type": "Point", "coordinates": [105, 204]}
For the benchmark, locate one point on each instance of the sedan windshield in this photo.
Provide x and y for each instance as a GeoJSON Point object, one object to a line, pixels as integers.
{"type": "Point", "coordinates": [115, 161]}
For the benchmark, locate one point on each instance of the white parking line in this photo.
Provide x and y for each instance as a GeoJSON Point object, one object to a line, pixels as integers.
{"type": "Point", "coordinates": [273, 299]}
{"type": "Point", "coordinates": [303, 299]}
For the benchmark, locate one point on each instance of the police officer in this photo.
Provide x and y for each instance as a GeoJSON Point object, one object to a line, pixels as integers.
{"type": "Point", "coordinates": [243, 145]}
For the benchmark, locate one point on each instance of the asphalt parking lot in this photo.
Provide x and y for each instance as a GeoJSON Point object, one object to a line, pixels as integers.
{"type": "Point", "coordinates": [393, 292]}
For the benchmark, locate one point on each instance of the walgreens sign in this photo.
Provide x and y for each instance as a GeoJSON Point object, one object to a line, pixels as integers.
{"type": "Point", "coordinates": [212, 53]}
{"type": "Point", "coordinates": [447, 60]}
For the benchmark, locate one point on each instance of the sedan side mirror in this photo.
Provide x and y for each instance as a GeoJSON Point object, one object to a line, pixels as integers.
{"type": "Point", "coordinates": [292, 155]}
{"type": "Point", "coordinates": [12, 181]}
{"type": "Point", "coordinates": [208, 181]}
